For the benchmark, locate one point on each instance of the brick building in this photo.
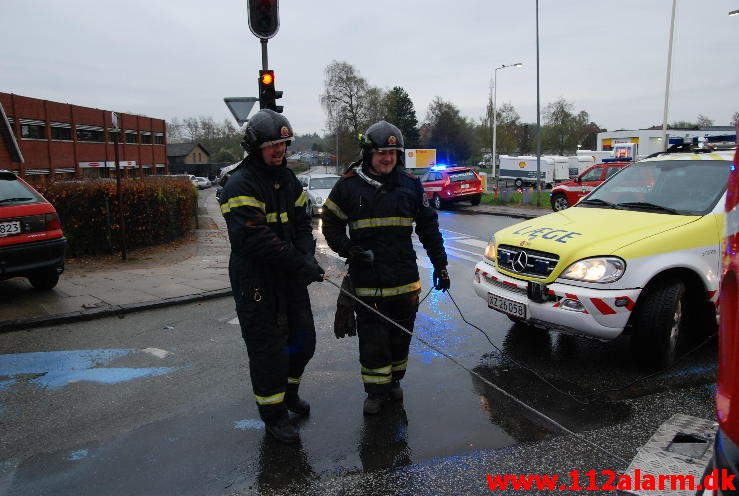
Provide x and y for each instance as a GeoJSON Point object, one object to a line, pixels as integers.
{"type": "Point", "coordinates": [63, 141]}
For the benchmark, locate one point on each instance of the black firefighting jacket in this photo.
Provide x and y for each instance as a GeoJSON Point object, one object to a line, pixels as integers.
{"type": "Point", "coordinates": [270, 232]}
{"type": "Point", "coordinates": [380, 213]}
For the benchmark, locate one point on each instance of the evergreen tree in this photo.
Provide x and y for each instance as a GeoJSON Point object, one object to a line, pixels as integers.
{"type": "Point", "coordinates": [399, 110]}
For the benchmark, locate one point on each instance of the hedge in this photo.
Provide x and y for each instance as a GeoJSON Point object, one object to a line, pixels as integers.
{"type": "Point", "coordinates": [157, 210]}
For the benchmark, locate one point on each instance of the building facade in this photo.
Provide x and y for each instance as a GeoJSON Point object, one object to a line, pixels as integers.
{"type": "Point", "coordinates": [649, 141]}
{"type": "Point", "coordinates": [62, 141]}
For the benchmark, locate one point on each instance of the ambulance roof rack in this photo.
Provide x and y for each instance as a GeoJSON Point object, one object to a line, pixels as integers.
{"type": "Point", "coordinates": [683, 148]}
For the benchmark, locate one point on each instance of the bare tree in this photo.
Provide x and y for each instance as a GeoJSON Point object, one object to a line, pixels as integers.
{"type": "Point", "coordinates": [174, 131]}
{"type": "Point", "coordinates": [703, 121]}
{"type": "Point", "coordinates": [191, 128]}
{"type": "Point", "coordinates": [349, 100]}
{"type": "Point", "coordinates": [563, 129]}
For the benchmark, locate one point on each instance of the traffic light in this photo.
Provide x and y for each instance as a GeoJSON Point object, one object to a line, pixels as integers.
{"type": "Point", "coordinates": [264, 18]}
{"type": "Point", "coordinates": [267, 93]}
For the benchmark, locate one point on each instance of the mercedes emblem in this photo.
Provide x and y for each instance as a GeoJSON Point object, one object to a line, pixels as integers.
{"type": "Point", "coordinates": [520, 261]}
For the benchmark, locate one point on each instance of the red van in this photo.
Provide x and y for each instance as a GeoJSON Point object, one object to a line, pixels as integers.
{"type": "Point", "coordinates": [568, 193]}
{"type": "Point", "coordinates": [443, 185]}
{"type": "Point", "coordinates": [726, 450]}
{"type": "Point", "coordinates": [32, 243]}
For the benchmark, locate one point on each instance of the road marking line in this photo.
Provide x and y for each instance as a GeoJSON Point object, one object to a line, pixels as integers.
{"type": "Point", "coordinates": [474, 242]}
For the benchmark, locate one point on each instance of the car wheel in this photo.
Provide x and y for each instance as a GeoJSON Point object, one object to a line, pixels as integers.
{"type": "Point", "coordinates": [559, 202]}
{"type": "Point", "coordinates": [659, 323]}
{"type": "Point", "coordinates": [44, 280]}
{"type": "Point", "coordinates": [437, 203]}
{"type": "Point", "coordinates": [518, 183]}
{"type": "Point", "coordinates": [475, 200]}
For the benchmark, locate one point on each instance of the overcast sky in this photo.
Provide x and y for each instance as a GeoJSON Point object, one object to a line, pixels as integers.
{"type": "Point", "coordinates": [180, 58]}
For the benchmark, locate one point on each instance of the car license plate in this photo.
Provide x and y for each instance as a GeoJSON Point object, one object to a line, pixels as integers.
{"type": "Point", "coordinates": [465, 186]}
{"type": "Point", "coordinates": [505, 305]}
{"type": "Point", "coordinates": [8, 228]}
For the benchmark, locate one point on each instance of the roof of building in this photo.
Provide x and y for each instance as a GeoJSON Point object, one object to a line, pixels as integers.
{"type": "Point", "coordinates": [183, 149]}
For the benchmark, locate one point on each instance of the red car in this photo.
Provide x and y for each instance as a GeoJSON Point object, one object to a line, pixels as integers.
{"type": "Point", "coordinates": [726, 448]}
{"type": "Point", "coordinates": [32, 243]}
{"type": "Point", "coordinates": [569, 193]}
{"type": "Point", "coordinates": [443, 185]}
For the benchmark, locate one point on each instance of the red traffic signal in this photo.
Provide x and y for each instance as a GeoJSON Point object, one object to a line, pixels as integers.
{"type": "Point", "coordinates": [264, 18]}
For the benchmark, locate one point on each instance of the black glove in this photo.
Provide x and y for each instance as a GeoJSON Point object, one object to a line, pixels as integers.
{"type": "Point", "coordinates": [345, 323]}
{"type": "Point", "coordinates": [357, 254]}
{"type": "Point", "coordinates": [441, 279]}
{"type": "Point", "coordinates": [310, 272]}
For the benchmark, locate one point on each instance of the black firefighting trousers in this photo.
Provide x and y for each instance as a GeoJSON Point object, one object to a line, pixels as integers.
{"type": "Point", "coordinates": [383, 348]}
{"type": "Point", "coordinates": [280, 339]}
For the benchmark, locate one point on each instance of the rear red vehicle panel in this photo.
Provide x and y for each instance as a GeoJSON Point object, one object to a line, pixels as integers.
{"type": "Point", "coordinates": [452, 184]}
{"type": "Point", "coordinates": [726, 455]}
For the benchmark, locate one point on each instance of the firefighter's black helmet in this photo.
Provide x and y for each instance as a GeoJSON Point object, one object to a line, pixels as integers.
{"type": "Point", "coordinates": [266, 128]}
{"type": "Point", "coordinates": [382, 136]}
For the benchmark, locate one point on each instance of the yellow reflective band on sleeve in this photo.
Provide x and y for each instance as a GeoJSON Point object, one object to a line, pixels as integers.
{"type": "Point", "coordinates": [401, 365]}
{"type": "Point", "coordinates": [272, 217]}
{"type": "Point", "coordinates": [270, 400]}
{"type": "Point", "coordinates": [241, 201]}
{"type": "Point", "coordinates": [335, 209]}
{"type": "Point", "coordinates": [414, 286]}
{"type": "Point", "coordinates": [302, 199]}
{"type": "Point", "coordinates": [381, 222]}
{"type": "Point", "coordinates": [293, 380]}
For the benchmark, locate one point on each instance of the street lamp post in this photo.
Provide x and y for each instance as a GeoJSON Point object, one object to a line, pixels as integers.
{"type": "Point", "coordinates": [667, 84]}
{"type": "Point", "coordinates": [495, 112]}
{"type": "Point", "coordinates": [538, 115]}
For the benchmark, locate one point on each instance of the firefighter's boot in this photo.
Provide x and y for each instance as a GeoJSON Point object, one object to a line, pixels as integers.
{"type": "Point", "coordinates": [282, 430]}
{"type": "Point", "coordinates": [373, 403]}
{"type": "Point", "coordinates": [396, 392]}
{"type": "Point", "coordinates": [294, 402]}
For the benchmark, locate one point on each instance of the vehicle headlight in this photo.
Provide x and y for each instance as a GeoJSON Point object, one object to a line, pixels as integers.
{"type": "Point", "coordinates": [602, 269]}
{"type": "Point", "coordinates": [490, 249]}
{"type": "Point", "coordinates": [319, 201]}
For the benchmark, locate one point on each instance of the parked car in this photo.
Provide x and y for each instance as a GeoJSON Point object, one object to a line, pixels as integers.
{"type": "Point", "coordinates": [726, 447]}
{"type": "Point", "coordinates": [568, 193]}
{"type": "Point", "coordinates": [202, 182]}
{"type": "Point", "coordinates": [317, 187]}
{"type": "Point", "coordinates": [443, 185]}
{"type": "Point", "coordinates": [32, 243]}
{"type": "Point", "coordinates": [639, 255]}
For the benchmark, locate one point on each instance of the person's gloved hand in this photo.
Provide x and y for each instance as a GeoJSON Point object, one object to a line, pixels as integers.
{"type": "Point", "coordinates": [441, 279]}
{"type": "Point", "coordinates": [357, 254]}
{"type": "Point", "coordinates": [345, 323]}
{"type": "Point", "coordinates": [310, 272]}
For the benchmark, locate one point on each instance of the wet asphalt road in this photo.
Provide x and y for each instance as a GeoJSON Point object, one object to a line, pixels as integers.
{"type": "Point", "coordinates": [160, 402]}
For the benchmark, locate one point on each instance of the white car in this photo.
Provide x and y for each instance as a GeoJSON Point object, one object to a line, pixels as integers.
{"type": "Point", "coordinates": [202, 182]}
{"type": "Point", "coordinates": [317, 186]}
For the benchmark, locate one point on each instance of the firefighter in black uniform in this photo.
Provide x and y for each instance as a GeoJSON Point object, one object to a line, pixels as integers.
{"type": "Point", "coordinates": [272, 262]}
{"type": "Point", "coordinates": [380, 202]}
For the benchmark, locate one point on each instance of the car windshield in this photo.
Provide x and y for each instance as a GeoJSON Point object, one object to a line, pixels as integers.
{"type": "Point", "coordinates": [465, 175]}
{"type": "Point", "coordinates": [684, 187]}
{"type": "Point", "coordinates": [13, 192]}
{"type": "Point", "coordinates": [323, 182]}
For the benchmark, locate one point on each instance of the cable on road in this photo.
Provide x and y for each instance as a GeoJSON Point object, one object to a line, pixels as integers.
{"type": "Point", "coordinates": [486, 381]}
{"type": "Point", "coordinates": [583, 399]}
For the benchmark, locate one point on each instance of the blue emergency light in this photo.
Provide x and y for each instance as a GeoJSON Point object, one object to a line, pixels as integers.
{"type": "Point", "coordinates": [439, 167]}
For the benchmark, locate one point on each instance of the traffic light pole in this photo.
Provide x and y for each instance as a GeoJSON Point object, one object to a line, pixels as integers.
{"type": "Point", "coordinates": [265, 64]}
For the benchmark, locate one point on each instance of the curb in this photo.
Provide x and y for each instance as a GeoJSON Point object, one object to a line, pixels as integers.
{"type": "Point", "coordinates": [97, 313]}
{"type": "Point", "coordinates": [503, 214]}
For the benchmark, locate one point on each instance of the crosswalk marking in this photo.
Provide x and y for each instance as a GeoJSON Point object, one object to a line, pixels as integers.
{"type": "Point", "coordinates": [474, 242]}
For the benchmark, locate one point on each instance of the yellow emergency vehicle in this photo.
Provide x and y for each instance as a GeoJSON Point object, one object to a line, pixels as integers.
{"type": "Point", "coordinates": [638, 255]}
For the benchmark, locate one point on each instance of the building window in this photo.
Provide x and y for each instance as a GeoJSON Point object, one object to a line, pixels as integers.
{"type": "Point", "coordinates": [131, 138]}
{"type": "Point", "coordinates": [146, 139]}
{"type": "Point", "coordinates": [159, 139]}
{"type": "Point", "coordinates": [90, 135]}
{"type": "Point", "coordinates": [61, 133]}
{"type": "Point", "coordinates": [33, 131]}
{"type": "Point", "coordinates": [112, 135]}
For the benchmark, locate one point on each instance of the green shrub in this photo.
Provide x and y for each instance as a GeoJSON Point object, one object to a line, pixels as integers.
{"type": "Point", "coordinates": [157, 210]}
